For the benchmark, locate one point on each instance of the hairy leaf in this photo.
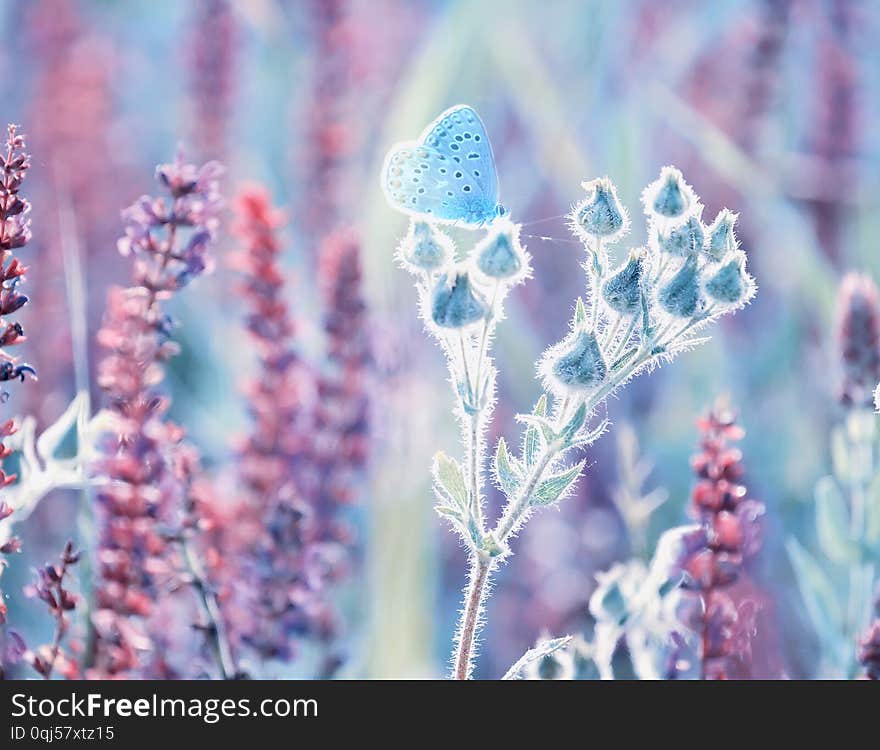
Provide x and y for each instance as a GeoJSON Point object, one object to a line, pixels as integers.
{"type": "Point", "coordinates": [450, 479]}
{"type": "Point", "coordinates": [545, 648]}
{"type": "Point", "coordinates": [506, 472]}
{"type": "Point", "coordinates": [557, 486]}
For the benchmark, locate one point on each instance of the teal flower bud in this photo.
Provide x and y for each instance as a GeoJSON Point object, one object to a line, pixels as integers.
{"type": "Point", "coordinates": [455, 304]}
{"type": "Point", "coordinates": [500, 255]}
{"type": "Point", "coordinates": [722, 239]}
{"type": "Point", "coordinates": [579, 365]}
{"type": "Point", "coordinates": [669, 196]}
{"type": "Point", "coordinates": [426, 248]}
{"type": "Point", "coordinates": [730, 283]}
{"type": "Point", "coordinates": [623, 290]}
{"type": "Point", "coordinates": [684, 240]}
{"type": "Point", "coordinates": [681, 295]}
{"type": "Point", "coordinates": [600, 215]}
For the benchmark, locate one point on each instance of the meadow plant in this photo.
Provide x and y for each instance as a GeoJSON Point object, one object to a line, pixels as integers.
{"type": "Point", "coordinates": [288, 590]}
{"type": "Point", "coordinates": [643, 614]}
{"type": "Point", "coordinates": [730, 520]}
{"type": "Point", "coordinates": [633, 500]}
{"type": "Point", "coordinates": [639, 312]}
{"type": "Point", "coordinates": [212, 63]}
{"type": "Point", "coordinates": [332, 131]}
{"type": "Point", "coordinates": [51, 588]}
{"type": "Point", "coordinates": [168, 240]}
{"type": "Point", "coordinates": [72, 118]}
{"type": "Point", "coordinates": [15, 232]}
{"type": "Point", "coordinates": [10, 544]}
{"type": "Point", "coordinates": [838, 596]}
{"type": "Point", "coordinates": [341, 440]}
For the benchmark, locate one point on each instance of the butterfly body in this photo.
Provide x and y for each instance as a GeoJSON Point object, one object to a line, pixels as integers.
{"type": "Point", "coordinates": [448, 174]}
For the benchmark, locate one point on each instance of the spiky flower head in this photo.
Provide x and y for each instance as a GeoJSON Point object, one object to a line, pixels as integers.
{"type": "Point", "coordinates": [500, 255]}
{"type": "Point", "coordinates": [425, 248]}
{"type": "Point", "coordinates": [600, 215]}
{"type": "Point", "coordinates": [623, 290]}
{"type": "Point", "coordinates": [684, 240]}
{"type": "Point", "coordinates": [858, 339]}
{"type": "Point", "coordinates": [681, 295]}
{"type": "Point", "coordinates": [721, 236]}
{"type": "Point", "coordinates": [575, 364]}
{"type": "Point", "coordinates": [456, 303]}
{"type": "Point", "coordinates": [730, 284]}
{"type": "Point", "coordinates": [669, 197]}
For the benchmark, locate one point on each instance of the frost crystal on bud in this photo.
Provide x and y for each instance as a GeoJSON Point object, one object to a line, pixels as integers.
{"type": "Point", "coordinates": [426, 248]}
{"type": "Point", "coordinates": [623, 290]}
{"type": "Point", "coordinates": [684, 240]}
{"type": "Point", "coordinates": [579, 365]}
{"type": "Point", "coordinates": [500, 255]}
{"type": "Point", "coordinates": [721, 236]}
{"type": "Point", "coordinates": [455, 303]}
{"type": "Point", "coordinates": [669, 196]}
{"type": "Point", "coordinates": [682, 294]}
{"type": "Point", "coordinates": [729, 284]}
{"type": "Point", "coordinates": [600, 214]}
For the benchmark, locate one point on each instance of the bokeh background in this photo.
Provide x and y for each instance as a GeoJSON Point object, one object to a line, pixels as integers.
{"type": "Point", "coordinates": [766, 105]}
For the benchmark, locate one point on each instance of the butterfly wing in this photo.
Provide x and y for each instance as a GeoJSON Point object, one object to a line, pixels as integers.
{"type": "Point", "coordinates": [448, 174]}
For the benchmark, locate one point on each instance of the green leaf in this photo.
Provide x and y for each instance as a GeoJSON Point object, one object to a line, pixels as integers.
{"type": "Point", "coordinates": [448, 512]}
{"type": "Point", "coordinates": [817, 594]}
{"type": "Point", "coordinates": [539, 423]}
{"type": "Point", "coordinates": [556, 486]}
{"type": "Point", "coordinates": [506, 473]}
{"type": "Point", "coordinates": [580, 314]}
{"type": "Point", "coordinates": [590, 437]}
{"type": "Point", "coordinates": [832, 522]}
{"type": "Point", "coordinates": [543, 649]}
{"type": "Point", "coordinates": [574, 424]}
{"type": "Point", "coordinates": [450, 479]}
{"type": "Point", "coordinates": [532, 444]}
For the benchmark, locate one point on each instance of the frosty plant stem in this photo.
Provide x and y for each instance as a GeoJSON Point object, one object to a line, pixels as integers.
{"type": "Point", "coordinates": [637, 314]}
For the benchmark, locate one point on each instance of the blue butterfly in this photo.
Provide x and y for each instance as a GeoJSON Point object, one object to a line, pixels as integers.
{"type": "Point", "coordinates": [448, 174]}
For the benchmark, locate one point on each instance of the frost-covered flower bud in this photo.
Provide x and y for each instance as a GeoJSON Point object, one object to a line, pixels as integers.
{"type": "Point", "coordinates": [722, 239]}
{"type": "Point", "coordinates": [669, 196]}
{"type": "Point", "coordinates": [682, 294]}
{"type": "Point", "coordinates": [684, 240]}
{"type": "Point", "coordinates": [600, 215]}
{"type": "Point", "coordinates": [455, 303]}
{"type": "Point", "coordinates": [425, 248]}
{"type": "Point", "coordinates": [579, 365]}
{"type": "Point", "coordinates": [501, 255]}
{"type": "Point", "coordinates": [730, 283]}
{"type": "Point", "coordinates": [623, 291]}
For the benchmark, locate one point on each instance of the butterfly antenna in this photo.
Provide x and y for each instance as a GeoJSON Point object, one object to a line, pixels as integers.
{"type": "Point", "coordinates": [548, 238]}
{"type": "Point", "coordinates": [542, 221]}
